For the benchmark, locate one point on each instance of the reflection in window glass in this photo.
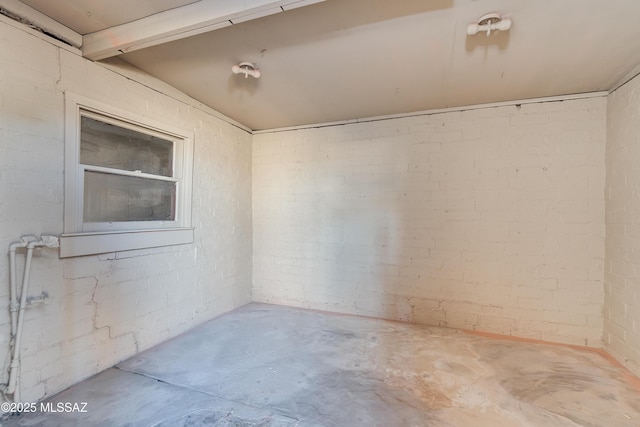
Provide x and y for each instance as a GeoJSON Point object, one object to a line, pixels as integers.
{"type": "Point", "coordinates": [109, 197]}
{"type": "Point", "coordinates": [107, 145]}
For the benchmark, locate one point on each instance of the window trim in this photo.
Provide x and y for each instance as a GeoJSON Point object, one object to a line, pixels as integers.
{"type": "Point", "coordinates": [118, 236]}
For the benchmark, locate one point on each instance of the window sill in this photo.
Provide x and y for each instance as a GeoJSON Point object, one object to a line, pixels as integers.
{"type": "Point", "coordinates": [79, 244]}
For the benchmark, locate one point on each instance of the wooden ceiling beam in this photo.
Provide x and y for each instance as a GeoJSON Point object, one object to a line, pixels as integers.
{"type": "Point", "coordinates": [174, 24]}
{"type": "Point", "coordinates": [31, 17]}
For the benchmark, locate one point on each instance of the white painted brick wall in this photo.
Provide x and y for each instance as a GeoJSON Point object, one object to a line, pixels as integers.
{"type": "Point", "coordinates": [489, 219]}
{"type": "Point", "coordinates": [622, 260]}
{"type": "Point", "coordinates": [105, 308]}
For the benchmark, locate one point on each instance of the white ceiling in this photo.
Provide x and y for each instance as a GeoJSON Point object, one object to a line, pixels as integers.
{"type": "Point", "coordinates": [347, 59]}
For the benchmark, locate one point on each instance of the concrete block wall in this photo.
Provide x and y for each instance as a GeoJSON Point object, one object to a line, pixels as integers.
{"type": "Point", "coordinates": [487, 219]}
{"type": "Point", "coordinates": [622, 268]}
{"type": "Point", "coordinates": [106, 308]}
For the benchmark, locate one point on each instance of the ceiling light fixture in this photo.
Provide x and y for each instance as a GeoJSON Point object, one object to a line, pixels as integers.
{"type": "Point", "coordinates": [489, 22]}
{"type": "Point", "coordinates": [246, 68]}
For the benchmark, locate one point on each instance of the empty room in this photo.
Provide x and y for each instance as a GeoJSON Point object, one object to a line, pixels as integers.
{"type": "Point", "coordinates": [320, 213]}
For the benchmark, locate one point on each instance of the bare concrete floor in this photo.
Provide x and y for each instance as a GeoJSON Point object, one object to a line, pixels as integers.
{"type": "Point", "coordinates": [264, 365]}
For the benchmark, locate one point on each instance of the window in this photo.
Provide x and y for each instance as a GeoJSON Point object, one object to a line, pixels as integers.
{"type": "Point", "coordinates": [127, 181]}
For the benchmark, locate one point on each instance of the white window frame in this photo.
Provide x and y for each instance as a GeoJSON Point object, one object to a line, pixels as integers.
{"type": "Point", "coordinates": [82, 238]}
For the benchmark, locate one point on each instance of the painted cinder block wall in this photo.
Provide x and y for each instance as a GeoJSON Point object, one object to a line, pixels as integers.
{"type": "Point", "coordinates": [106, 308]}
{"type": "Point", "coordinates": [489, 219]}
{"type": "Point", "coordinates": [622, 268]}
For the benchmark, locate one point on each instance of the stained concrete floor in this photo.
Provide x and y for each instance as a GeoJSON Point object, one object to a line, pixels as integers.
{"type": "Point", "coordinates": [264, 365]}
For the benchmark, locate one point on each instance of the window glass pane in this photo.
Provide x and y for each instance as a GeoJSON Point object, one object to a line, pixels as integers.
{"type": "Point", "coordinates": [109, 197]}
{"type": "Point", "coordinates": [108, 145]}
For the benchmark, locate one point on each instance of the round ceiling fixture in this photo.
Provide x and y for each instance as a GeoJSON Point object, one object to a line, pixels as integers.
{"type": "Point", "coordinates": [489, 22]}
{"type": "Point", "coordinates": [246, 68]}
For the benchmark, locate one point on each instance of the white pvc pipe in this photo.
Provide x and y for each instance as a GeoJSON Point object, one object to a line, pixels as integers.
{"type": "Point", "coordinates": [13, 287]}
{"type": "Point", "coordinates": [15, 360]}
{"type": "Point", "coordinates": [17, 310]}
